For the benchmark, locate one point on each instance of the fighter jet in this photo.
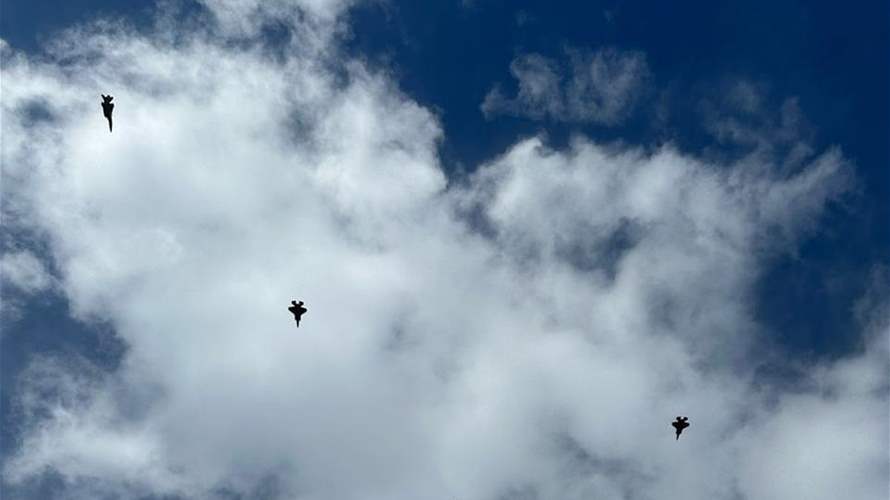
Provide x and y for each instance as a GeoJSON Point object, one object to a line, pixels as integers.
{"type": "Point", "coordinates": [680, 424]}
{"type": "Point", "coordinates": [297, 310]}
{"type": "Point", "coordinates": [107, 108]}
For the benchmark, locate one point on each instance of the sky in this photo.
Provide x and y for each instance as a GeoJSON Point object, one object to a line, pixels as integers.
{"type": "Point", "coordinates": [528, 235]}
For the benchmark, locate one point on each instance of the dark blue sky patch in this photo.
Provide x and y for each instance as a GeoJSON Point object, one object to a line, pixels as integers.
{"type": "Point", "coordinates": [27, 25]}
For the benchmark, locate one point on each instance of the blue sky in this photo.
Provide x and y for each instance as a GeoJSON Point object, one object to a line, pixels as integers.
{"type": "Point", "coordinates": [771, 120]}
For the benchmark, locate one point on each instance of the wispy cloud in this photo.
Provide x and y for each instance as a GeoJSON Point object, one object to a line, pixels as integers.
{"type": "Point", "coordinates": [602, 87]}
{"type": "Point", "coordinates": [21, 275]}
{"type": "Point", "coordinates": [24, 271]}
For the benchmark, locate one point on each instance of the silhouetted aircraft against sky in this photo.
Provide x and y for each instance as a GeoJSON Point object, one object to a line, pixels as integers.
{"type": "Point", "coordinates": [297, 310]}
{"type": "Point", "coordinates": [680, 424]}
{"type": "Point", "coordinates": [107, 108]}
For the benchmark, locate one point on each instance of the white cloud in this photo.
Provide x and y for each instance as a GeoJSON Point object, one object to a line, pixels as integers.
{"type": "Point", "coordinates": [24, 271]}
{"type": "Point", "coordinates": [545, 359]}
{"type": "Point", "coordinates": [21, 275]}
{"type": "Point", "coordinates": [739, 116]}
{"type": "Point", "coordinates": [602, 87]}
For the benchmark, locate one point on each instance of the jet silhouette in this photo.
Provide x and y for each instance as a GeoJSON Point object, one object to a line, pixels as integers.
{"type": "Point", "coordinates": [107, 108]}
{"type": "Point", "coordinates": [680, 424]}
{"type": "Point", "coordinates": [297, 310]}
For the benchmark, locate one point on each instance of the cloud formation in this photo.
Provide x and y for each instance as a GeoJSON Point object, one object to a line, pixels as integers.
{"type": "Point", "coordinates": [24, 271]}
{"type": "Point", "coordinates": [602, 87]}
{"type": "Point", "coordinates": [22, 275]}
{"type": "Point", "coordinates": [529, 333]}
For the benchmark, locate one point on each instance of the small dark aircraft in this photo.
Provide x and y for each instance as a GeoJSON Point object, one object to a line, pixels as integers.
{"type": "Point", "coordinates": [680, 424]}
{"type": "Point", "coordinates": [297, 310]}
{"type": "Point", "coordinates": [107, 108]}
